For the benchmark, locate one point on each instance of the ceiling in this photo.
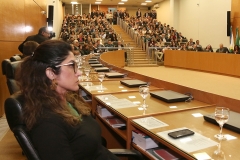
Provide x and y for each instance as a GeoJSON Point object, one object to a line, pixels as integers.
{"type": "Point", "coordinates": [114, 2]}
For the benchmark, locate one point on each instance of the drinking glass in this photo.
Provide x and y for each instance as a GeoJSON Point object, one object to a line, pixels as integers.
{"type": "Point", "coordinates": [144, 91]}
{"type": "Point", "coordinates": [221, 116]}
{"type": "Point", "coordinates": [219, 154]}
{"type": "Point", "coordinates": [87, 71]}
{"type": "Point", "coordinates": [101, 76]}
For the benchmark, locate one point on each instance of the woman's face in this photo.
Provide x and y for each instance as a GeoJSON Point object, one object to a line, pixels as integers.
{"type": "Point", "coordinates": [67, 79]}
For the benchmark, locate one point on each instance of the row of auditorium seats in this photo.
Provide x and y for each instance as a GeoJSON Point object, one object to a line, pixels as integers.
{"type": "Point", "coordinates": [9, 67]}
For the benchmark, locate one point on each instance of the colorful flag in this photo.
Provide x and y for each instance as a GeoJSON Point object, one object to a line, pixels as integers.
{"type": "Point", "coordinates": [237, 38]}
{"type": "Point", "coordinates": [231, 41]}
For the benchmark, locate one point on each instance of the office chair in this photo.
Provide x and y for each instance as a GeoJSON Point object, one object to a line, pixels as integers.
{"type": "Point", "coordinates": [14, 113]}
{"type": "Point", "coordinates": [10, 69]}
{"type": "Point", "coordinates": [4, 63]}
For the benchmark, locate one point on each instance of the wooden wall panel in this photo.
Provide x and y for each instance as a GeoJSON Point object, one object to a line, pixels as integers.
{"type": "Point", "coordinates": [15, 16]}
{"type": "Point", "coordinates": [220, 63]}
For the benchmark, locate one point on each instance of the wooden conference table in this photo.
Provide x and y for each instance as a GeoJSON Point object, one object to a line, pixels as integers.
{"type": "Point", "coordinates": [176, 115]}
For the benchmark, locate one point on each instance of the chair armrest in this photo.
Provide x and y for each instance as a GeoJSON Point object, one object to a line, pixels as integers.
{"type": "Point", "coordinates": [127, 152]}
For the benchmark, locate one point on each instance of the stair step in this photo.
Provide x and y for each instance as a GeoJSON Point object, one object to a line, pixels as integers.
{"type": "Point", "coordinates": [138, 54]}
{"type": "Point", "coordinates": [142, 65]}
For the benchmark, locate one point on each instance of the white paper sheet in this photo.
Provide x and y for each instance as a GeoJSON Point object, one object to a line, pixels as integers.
{"type": "Point", "coordinates": [120, 103]}
{"type": "Point", "coordinates": [190, 143]}
{"type": "Point", "coordinates": [106, 97]}
{"type": "Point", "coordinates": [95, 88]}
{"type": "Point", "coordinates": [150, 123]}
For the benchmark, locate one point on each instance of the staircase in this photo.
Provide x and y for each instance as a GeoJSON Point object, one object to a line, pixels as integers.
{"type": "Point", "coordinates": [138, 56]}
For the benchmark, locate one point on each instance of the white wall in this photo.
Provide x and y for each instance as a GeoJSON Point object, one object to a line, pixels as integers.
{"type": "Point", "coordinates": [205, 20]}
{"type": "Point", "coordinates": [163, 12]}
{"type": "Point", "coordinates": [57, 16]}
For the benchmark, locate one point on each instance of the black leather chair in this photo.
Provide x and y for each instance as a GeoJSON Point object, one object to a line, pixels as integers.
{"type": "Point", "coordinates": [10, 69]}
{"type": "Point", "coordinates": [4, 63]}
{"type": "Point", "coordinates": [14, 113]}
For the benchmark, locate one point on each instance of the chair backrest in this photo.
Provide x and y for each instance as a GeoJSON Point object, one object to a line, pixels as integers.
{"type": "Point", "coordinates": [4, 63]}
{"type": "Point", "coordinates": [15, 58]}
{"type": "Point", "coordinates": [14, 113]}
{"type": "Point", "coordinates": [10, 69]}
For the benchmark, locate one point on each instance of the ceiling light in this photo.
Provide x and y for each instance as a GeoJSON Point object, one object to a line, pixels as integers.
{"type": "Point", "coordinates": [148, 1]}
{"type": "Point", "coordinates": [124, 0]}
{"type": "Point", "coordinates": [74, 2]}
{"type": "Point", "coordinates": [120, 3]}
{"type": "Point", "coordinates": [97, 2]}
{"type": "Point", "coordinates": [143, 4]}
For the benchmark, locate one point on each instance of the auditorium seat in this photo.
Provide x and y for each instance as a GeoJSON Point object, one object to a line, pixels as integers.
{"type": "Point", "coordinates": [10, 76]}
{"type": "Point", "coordinates": [4, 63]}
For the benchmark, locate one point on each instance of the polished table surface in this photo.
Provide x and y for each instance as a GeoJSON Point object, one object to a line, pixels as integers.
{"type": "Point", "coordinates": [94, 88]}
{"type": "Point", "coordinates": [155, 106]}
{"type": "Point", "coordinates": [198, 125]}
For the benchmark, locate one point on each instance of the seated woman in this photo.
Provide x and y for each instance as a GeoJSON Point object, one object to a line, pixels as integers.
{"type": "Point", "coordinates": [29, 47]}
{"type": "Point", "coordinates": [208, 48]}
{"type": "Point", "coordinates": [236, 49]}
{"type": "Point", "coordinates": [59, 123]}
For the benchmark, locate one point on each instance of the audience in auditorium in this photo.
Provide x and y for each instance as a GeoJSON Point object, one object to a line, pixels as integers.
{"type": "Point", "coordinates": [94, 31]}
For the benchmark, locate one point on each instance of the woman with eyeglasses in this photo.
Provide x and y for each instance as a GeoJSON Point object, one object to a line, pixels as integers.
{"type": "Point", "coordinates": [59, 123]}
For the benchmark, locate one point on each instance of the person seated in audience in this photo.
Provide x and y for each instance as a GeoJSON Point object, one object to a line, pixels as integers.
{"type": "Point", "coordinates": [59, 122]}
{"type": "Point", "coordinates": [222, 49]}
{"type": "Point", "coordinates": [70, 40]}
{"type": "Point", "coordinates": [208, 48]}
{"type": "Point", "coordinates": [76, 47]}
{"type": "Point", "coordinates": [152, 42]}
{"type": "Point", "coordinates": [29, 48]}
{"type": "Point", "coordinates": [113, 37]}
{"type": "Point", "coordinates": [43, 35]}
{"type": "Point", "coordinates": [119, 45]}
{"type": "Point", "coordinates": [99, 45]}
{"type": "Point", "coordinates": [80, 37]}
{"type": "Point", "coordinates": [85, 49]}
{"type": "Point", "coordinates": [109, 45]}
{"type": "Point", "coordinates": [198, 45]}
{"type": "Point", "coordinates": [159, 43]}
{"type": "Point", "coordinates": [236, 49]}
{"type": "Point", "coordinates": [163, 38]}
{"type": "Point", "coordinates": [195, 48]}
{"type": "Point", "coordinates": [183, 48]}
{"type": "Point", "coordinates": [190, 42]}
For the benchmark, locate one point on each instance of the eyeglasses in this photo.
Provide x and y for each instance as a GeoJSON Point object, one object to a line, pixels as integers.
{"type": "Point", "coordinates": [73, 64]}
